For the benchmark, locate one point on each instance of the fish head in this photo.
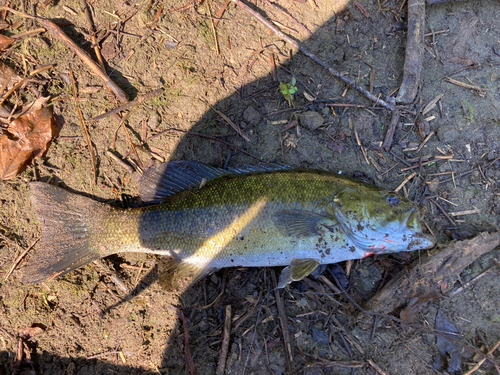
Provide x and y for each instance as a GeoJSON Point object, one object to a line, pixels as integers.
{"type": "Point", "coordinates": [380, 221]}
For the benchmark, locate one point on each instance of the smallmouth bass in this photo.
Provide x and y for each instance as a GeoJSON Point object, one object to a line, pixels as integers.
{"type": "Point", "coordinates": [206, 218]}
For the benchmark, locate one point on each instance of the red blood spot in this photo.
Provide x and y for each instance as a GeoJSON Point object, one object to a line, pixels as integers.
{"type": "Point", "coordinates": [388, 240]}
{"type": "Point", "coordinates": [367, 254]}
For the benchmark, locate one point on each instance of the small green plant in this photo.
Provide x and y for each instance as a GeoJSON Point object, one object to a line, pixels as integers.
{"type": "Point", "coordinates": [288, 89]}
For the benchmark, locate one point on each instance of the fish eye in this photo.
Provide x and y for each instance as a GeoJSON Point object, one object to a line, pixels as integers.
{"type": "Point", "coordinates": [393, 200]}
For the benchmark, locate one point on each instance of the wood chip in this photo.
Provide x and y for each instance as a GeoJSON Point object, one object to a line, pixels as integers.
{"type": "Point", "coordinates": [467, 212]}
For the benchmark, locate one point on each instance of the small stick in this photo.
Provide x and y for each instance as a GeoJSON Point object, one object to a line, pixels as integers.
{"type": "Point", "coordinates": [225, 342]}
{"type": "Point", "coordinates": [91, 27]}
{"type": "Point", "coordinates": [28, 33]}
{"type": "Point", "coordinates": [465, 85]}
{"type": "Point", "coordinates": [292, 18]}
{"type": "Point", "coordinates": [476, 367]}
{"type": "Point", "coordinates": [120, 162]}
{"type": "Point", "coordinates": [85, 130]}
{"type": "Point", "coordinates": [361, 146]}
{"type": "Point", "coordinates": [57, 32]}
{"type": "Point", "coordinates": [41, 69]}
{"type": "Point", "coordinates": [208, 137]}
{"type": "Point", "coordinates": [13, 88]}
{"type": "Point", "coordinates": [351, 339]}
{"type": "Point", "coordinates": [284, 326]}
{"type": "Point", "coordinates": [104, 354]}
{"type": "Point", "coordinates": [377, 367]}
{"type": "Point", "coordinates": [404, 182]}
{"type": "Point", "coordinates": [389, 137]}
{"type": "Point", "coordinates": [468, 172]}
{"type": "Point", "coordinates": [216, 39]}
{"type": "Point", "coordinates": [414, 52]}
{"type": "Point", "coordinates": [134, 102]}
{"type": "Point", "coordinates": [297, 45]}
{"type": "Point", "coordinates": [19, 258]}
{"type": "Point", "coordinates": [232, 124]}
{"type": "Point", "coordinates": [443, 211]}
{"type": "Point", "coordinates": [189, 359]}
{"type": "Point", "coordinates": [426, 139]}
{"type": "Point", "coordinates": [471, 281]}
{"type": "Point", "coordinates": [467, 212]}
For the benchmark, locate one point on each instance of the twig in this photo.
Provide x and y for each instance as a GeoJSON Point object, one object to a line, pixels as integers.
{"type": "Point", "coordinates": [476, 367]}
{"type": "Point", "coordinates": [85, 130]}
{"type": "Point", "coordinates": [104, 354]}
{"type": "Point", "coordinates": [208, 137]}
{"type": "Point", "coordinates": [351, 339]}
{"type": "Point", "coordinates": [404, 182]}
{"type": "Point", "coordinates": [189, 359]}
{"type": "Point", "coordinates": [134, 102]}
{"type": "Point", "coordinates": [19, 258]}
{"type": "Point", "coordinates": [377, 367]}
{"type": "Point", "coordinates": [57, 32]}
{"type": "Point", "coordinates": [225, 342]}
{"type": "Point", "coordinates": [443, 211]}
{"type": "Point", "coordinates": [390, 131]}
{"type": "Point", "coordinates": [472, 281]}
{"type": "Point", "coordinates": [465, 85]}
{"type": "Point", "coordinates": [120, 162]}
{"type": "Point", "coordinates": [232, 124]}
{"type": "Point", "coordinates": [284, 326]}
{"type": "Point", "coordinates": [425, 141]}
{"type": "Point", "coordinates": [28, 33]}
{"type": "Point", "coordinates": [297, 45]}
{"type": "Point", "coordinates": [91, 27]}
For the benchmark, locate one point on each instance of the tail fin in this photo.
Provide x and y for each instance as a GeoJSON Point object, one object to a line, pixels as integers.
{"type": "Point", "coordinates": [68, 222]}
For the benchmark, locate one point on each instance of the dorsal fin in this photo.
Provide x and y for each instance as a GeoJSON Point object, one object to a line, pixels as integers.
{"type": "Point", "coordinates": [166, 179]}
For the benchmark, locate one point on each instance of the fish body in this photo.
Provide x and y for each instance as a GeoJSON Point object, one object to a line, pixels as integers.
{"type": "Point", "coordinates": [207, 218]}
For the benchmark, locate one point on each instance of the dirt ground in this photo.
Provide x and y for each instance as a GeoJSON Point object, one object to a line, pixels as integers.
{"type": "Point", "coordinates": [92, 325]}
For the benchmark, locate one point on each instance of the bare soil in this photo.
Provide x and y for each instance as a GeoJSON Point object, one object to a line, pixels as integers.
{"type": "Point", "coordinates": [92, 326]}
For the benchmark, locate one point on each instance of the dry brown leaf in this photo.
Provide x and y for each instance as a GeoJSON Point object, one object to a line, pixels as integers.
{"type": "Point", "coordinates": [26, 137]}
{"type": "Point", "coordinates": [5, 42]}
{"type": "Point", "coordinates": [8, 77]}
{"type": "Point", "coordinates": [29, 332]}
{"type": "Point", "coordinates": [32, 107]}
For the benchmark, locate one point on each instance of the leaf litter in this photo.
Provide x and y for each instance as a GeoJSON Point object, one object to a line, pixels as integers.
{"type": "Point", "coordinates": [26, 137]}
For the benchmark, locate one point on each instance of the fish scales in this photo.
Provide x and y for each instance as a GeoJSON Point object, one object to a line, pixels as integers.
{"type": "Point", "coordinates": [220, 219]}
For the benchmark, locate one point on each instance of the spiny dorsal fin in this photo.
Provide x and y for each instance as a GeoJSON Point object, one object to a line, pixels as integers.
{"type": "Point", "coordinates": [164, 180]}
{"type": "Point", "coordinates": [297, 270]}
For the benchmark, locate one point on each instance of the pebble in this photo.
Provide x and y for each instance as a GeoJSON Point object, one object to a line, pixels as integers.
{"type": "Point", "coordinates": [252, 116]}
{"type": "Point", "coordinates": [311, 119]}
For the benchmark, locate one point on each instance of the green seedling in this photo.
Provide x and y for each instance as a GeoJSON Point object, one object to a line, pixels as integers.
{"type": "Point", "coordinates": [288, 89]}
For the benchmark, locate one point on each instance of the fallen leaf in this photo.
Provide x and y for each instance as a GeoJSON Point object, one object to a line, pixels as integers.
{"type": "Point", "coordinates": [29, 332]}
{"type": "Point", "coordinates": [448, 349]}
{"type": "Point", "coordinates": [5, 42]}
{"type": "Point", "coordinates": [25, 138]}
{"type": "Point", "coordinates": [416, 304]}
{"type": "Point", "coordinates": [8, 77]}
{"type": "Point", "coordinates": [32, 107]}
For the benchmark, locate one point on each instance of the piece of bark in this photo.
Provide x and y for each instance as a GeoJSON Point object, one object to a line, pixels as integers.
{"type": "Point", "coordinates": [414, 52]}
{"type": "Point", "coordinates": [434, 275]}
{"type": "Point", "coordinates": [389, 137]}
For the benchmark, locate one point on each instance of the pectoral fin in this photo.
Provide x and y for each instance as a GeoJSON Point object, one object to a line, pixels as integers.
{"type": "Point", "coordinates": [297, 270]}
{"type": "Point", "coordinates": [298, 223]}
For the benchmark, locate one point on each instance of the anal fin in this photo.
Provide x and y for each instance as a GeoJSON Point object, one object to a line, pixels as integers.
{"type": "Point", "coordinates": [177, 275]}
